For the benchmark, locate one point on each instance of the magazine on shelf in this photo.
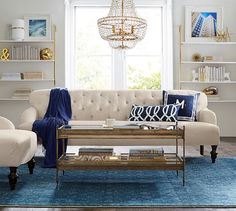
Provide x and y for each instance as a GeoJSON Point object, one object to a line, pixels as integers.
{"type": "Point", "coordinates": [146, 125]}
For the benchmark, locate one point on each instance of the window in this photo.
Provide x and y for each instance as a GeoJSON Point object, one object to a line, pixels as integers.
{"type": "Point", "coordinates": [94, 65]}
{"type": "Point", "coordinates": [144, 62]}
{"type": "Point", "coordinates": [92, 58]}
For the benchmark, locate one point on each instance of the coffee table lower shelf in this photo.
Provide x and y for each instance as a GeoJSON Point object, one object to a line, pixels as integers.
{"type": "Point", "coordinates": [170, 161]}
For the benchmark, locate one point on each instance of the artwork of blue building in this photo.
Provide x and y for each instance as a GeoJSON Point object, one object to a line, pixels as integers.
{"type": "Point", "coordinates": [204, 24]}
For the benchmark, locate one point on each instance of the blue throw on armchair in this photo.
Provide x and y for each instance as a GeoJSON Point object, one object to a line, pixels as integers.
{"type": "Point", "coordinates": [58, 113]}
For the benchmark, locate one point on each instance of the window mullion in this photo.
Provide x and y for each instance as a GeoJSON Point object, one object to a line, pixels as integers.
{"type": "Point", "coordinates": [119, 70]}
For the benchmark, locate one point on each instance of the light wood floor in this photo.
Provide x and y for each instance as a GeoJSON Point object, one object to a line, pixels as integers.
{"type": "Point", "coordinates": [227, 148]}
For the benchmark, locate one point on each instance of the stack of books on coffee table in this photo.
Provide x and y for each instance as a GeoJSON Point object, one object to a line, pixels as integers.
{"type": "Point", "coordinates": [146, 154]}
{"type": "Point", "coordinates": [94, 154]}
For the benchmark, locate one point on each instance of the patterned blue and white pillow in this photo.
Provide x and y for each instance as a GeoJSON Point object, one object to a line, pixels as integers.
{"type": "Point", "coordinates": [154, 113]}
{"type": "Point", "coordinates": [188, 104]}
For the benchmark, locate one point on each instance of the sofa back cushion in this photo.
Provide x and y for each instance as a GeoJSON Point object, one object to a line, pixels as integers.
{"type": "Point", "coordinates": [167, 113]}
{"type": "Point", "coordinates": [103, 104]}
{"type": "Point", "coordinates": [202, 98]}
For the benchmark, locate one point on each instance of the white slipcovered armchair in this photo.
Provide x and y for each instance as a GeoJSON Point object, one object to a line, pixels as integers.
{"type": "Point", "coordinates": [16, 147]}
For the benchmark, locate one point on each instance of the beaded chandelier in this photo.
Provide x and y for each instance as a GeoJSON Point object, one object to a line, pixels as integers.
{"type": "Point", "coordinates": [122, 28]}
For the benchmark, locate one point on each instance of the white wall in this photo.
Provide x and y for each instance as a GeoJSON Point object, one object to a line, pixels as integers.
{"type": "Point", "coordinates": [13, 9]}
{"type": "Point", "coordinates": [225, 112]}
{"type": "Point", "coordinates": [229, 17]}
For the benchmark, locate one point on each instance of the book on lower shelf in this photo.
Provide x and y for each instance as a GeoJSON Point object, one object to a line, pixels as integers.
{"type": "Point", "coordinates": [148, 151]}
{"type": "Point", "coordinates": [21, 93]}
{"type": "Point", "coordinates": [96, 151]}
{"type": "Point", "coordinates": [95, 157]}
{"type": "Point", "coordinates": [11, 76]}
{"type": "Point", "coordinates": [146, 154]}
{"type": "Point", "coordinates": [32, 75]}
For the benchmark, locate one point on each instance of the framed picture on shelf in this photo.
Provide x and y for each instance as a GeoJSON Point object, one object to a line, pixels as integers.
{"type": "Point", "coordinates": [202, 23]}
{"type": "Point", "coordinates": [37, 27]}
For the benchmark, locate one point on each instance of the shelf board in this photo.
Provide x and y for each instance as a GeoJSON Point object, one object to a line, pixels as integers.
{"type": "Point", "coordinates": [221, 101]}
{"type": "Point", "coordinates": [27, 41]}
{"type": "Point", "coordinates": [208, 43]}
{"type": "Point", "coordinates": [28, 80]}
{"type": "Point", "coordinates": [13, 99]}
{"type": "Point", "coordinates": [208, 82]}
{"type": "Point", "coordinates": [25, 61]}
{"type": "Point", "coordinates": [210, 62]}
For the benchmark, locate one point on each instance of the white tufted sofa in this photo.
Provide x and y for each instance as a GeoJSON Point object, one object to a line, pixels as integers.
{"type": "Point", "coordinates": [94, 106]}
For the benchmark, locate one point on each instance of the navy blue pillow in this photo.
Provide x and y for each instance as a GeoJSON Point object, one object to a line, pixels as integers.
{"type": "Point", "coordinates": [188, 104]}
{"type": "Point", "coordinates": [154, 113]}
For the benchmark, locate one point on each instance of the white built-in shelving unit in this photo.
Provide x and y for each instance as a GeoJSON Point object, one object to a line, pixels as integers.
{"type": "Point", "coordinates": [224, 50]}
{"type": "Point", "coordinates": [224, 104]}
{"type": "Point", "coordinates": [47, 67]}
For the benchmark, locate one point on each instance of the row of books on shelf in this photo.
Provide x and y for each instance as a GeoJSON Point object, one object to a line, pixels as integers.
{"type": "Point", "coordinates": [24, 52]}
{"type": "Point", "coordinates": [211, 73]}
{"type": "Point", "coordinates": [22, 76]}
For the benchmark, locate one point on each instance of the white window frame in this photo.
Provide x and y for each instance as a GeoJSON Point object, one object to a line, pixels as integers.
{"type": "Point", "coordinates": [118, 72]}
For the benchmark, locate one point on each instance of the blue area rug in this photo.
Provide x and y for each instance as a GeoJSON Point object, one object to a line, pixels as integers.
{"type": "Point", "coordinates": [207, 184]}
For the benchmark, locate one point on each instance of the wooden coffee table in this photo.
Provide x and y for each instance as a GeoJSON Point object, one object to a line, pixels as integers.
{"type": "Point", "coordinates": [170, 161]}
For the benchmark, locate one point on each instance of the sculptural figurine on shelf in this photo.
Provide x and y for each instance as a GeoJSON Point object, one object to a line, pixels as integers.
{"type": "Point", "coordinates": [195, 76]}
{"type": "Point", "coordinates": [222, 36]}
{"type": "Point", "coordinates": [211, 90]}
{"type": "Point", "coordinates": [227, 77]}
{"type": "Point", "coordinates": [46, 54]}
{"type": "Point", "coordinates": [5, 54]}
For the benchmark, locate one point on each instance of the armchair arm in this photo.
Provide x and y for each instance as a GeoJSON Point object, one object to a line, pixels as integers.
{"type": "Point", "coordinates": [6, 124]}
{"type": "Point", "coordinates": [27, 118]}
{"type": "Point", "coordinates": [207, 115]}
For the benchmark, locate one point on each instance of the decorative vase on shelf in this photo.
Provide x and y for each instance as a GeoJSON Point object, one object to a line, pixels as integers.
{"type": "Point", "coordinates": [18, 30]}
{"type": "Point", "coordinates": [226, 76]}
{"type": "Point", "coordinates": [195, 76]}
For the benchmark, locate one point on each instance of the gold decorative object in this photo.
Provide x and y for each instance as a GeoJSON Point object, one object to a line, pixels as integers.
{"type": "Point", "coordinates": [46, 54]}
{"type": "Point", "coordinates": [122, 28]}
{"type": "Point", "coordinates": [222, 36]}
{"type": "Point", "coordinates": [197, 57]}
{"type": "Point", "coordinates": [5, 54]}
{"type": "Point", "coordinates": [211, 90]}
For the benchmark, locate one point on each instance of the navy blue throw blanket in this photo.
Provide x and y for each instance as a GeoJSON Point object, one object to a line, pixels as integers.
{"type": "Point", "coordinates": [58, 113]}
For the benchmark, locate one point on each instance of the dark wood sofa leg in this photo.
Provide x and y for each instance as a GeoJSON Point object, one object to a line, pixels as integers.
{"type": "Point", "coordinates": [201, 149]}
{"type": "Point", "coordinates": [213, 153]}
{"type": "Point", "coordinates": [12, 177]}
{"type": "Point", "coordinates": [31, 165]}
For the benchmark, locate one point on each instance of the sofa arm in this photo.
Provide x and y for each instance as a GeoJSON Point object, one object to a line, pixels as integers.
{"type": "Point", "coordinates": [6, 124]}
{"type": "Point", "coordinates": [207, 115]}
{"type": "Point", "coordinates": [27, 118]}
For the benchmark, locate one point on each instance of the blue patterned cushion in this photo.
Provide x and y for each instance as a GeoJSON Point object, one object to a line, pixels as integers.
{"type": "Point", "coordinates": [188, 104]}
{"type": "Point", "coordinates": [154, 113]}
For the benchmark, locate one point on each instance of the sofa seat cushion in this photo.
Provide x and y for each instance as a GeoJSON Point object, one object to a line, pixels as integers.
{"type": "Point", "coordinates": [195, 132]}
{"type": "Point", "coordinates": [26, 126]}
